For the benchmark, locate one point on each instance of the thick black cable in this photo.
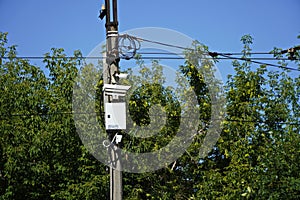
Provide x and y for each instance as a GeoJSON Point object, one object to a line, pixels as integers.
{"type": "Point", "coordinates": [151, 57]}
{"type": "Point", "coordinates": [260, 63]}
{"type": "Point", "coordinates": [209, 53]}
{"type": "Point", "coordinates": [161, 43]}
{"type": "Point", "coordinates": [225, 57]}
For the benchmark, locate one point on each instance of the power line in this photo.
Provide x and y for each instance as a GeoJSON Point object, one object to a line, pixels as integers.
{"type": "Point", "coordinates": [130, 50]}
{"type": "Point", "coordinates": [210, 58]}
{"type": "Point", "coordinates": [4, 117]}
{"type": "Point", "coordinates": [290, 50]}
{"type": "Point", "coordinates": [260, 63]}
{"type": "Point", "coordinates": [161, 43]}
{"type": "Point", "coordinates": [172, 53]}
{"type": "Point", "coordinates": [225, 57]}
{"type": "Point", "coordinates": [52, 57]}
{"type": "Point", "coordinates": [46, 114]}
{"type": "Point", "coordinates": [150, 57]}
{"type": "Point", "coordinates": [143, 53]}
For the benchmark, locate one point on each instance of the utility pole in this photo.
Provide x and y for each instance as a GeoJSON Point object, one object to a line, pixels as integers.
{"type": "Point", "coordinates": [110, 79]}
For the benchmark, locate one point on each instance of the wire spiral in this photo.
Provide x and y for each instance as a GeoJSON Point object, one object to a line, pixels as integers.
{"type": "Point", "coordinates": [128, 45]}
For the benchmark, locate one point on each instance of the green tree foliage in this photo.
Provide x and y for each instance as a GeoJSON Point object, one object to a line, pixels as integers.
{"type": "Point", "coordinates": [41, 154]}
{"type": "Point", "coordinates": [177, 180]}
{"type": "Point", "coordinates": [256, 157]}
{"type": "Point", "coordinates": [153, 109]}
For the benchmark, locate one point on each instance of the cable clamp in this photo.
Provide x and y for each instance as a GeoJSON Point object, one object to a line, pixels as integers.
{"type": "Point", "coordinates": [117, 138]}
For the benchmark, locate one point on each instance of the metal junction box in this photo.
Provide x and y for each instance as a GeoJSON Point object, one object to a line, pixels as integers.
{"type": "Point", "coordinates": [115, 116]}
{"type": "Point", "coordinates": [115, 111]}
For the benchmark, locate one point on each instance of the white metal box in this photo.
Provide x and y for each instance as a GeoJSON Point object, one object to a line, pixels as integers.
{"type": "Point", "coordinates": [115, 116]}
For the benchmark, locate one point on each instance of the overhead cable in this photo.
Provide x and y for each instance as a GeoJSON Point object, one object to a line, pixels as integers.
{"type": "Point", "coordinates": [260, 63]}
{"type": "Point", "coordinates": [7, 116]}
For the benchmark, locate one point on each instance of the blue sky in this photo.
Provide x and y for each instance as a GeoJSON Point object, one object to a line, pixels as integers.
{"type": "Point", "coordinates": [38, 25]}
